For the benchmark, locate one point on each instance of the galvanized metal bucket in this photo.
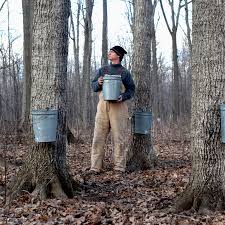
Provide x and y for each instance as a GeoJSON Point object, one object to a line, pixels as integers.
{"type": "Point", "coordinates": [142, 122]}
{"type": "Point", "coordinates": [222, 122]}
{"type": "Point", "coordinates": [45, 124]}
{"type": "Point", "coordinates": [111, 87]}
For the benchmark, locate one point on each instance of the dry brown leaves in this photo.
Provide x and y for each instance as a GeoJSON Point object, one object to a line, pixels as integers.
{"type": "Point", "coordinates": [144, 197]}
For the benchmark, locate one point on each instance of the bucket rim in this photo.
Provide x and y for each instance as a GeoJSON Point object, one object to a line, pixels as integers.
{"type": "Point", "coordinates": [106, 77]}
{"type": "Point", "coordinates": [222, 106]}
{"type": "Point", "coordinates": [143, 113]}
{"type": "Point", "coordinates": [45, 111]}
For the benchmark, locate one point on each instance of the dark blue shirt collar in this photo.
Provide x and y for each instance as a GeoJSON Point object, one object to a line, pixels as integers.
{"type": "Point", "coordinates": [115, 65]}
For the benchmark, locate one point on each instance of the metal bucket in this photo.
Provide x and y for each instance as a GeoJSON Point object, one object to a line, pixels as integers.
{"type": "Point", "coordinates": [142, 122]}
{"type": "Point", "coordinates": [222, 122]}
{"type": "Point", "coordinates": [111, 87]}
{"type": "Point", "coordinates": [45, 124]}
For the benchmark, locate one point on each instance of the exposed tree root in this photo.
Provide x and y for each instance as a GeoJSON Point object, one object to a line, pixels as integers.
{"type": "Point", "coordinates": [141, 155]}
{"type": "Point", "coordinates": [140, 162]}
{"type": "Point", "coordinates": [43, 177]}
{"type": "Point", "coordinates": [202, 200]}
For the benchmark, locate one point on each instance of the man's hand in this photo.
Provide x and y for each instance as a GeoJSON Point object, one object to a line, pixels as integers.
{"type": "Point", "coordinates": [120, 98]}
{"type": "Point", "coordinates": [100, 80]}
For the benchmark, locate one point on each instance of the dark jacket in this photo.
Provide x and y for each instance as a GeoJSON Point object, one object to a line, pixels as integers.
{"type": "Point", "coordinates": [116, 69]}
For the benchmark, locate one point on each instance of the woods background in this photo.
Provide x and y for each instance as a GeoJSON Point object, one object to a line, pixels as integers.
{"type": "Point", "coordinates": [170, 82]}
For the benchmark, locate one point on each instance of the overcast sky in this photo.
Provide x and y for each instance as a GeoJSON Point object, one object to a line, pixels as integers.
{"type": "Point", "coordinates": [118, 27]}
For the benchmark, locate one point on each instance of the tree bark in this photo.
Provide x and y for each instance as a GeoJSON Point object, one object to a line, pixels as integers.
{"type": "Point", "coordinates": [104, 60]}
{"type": "Point", "coordinates": [77, 79]}
{"type": "Point", "coordinates": [155, 78]}
{"type": "Point", "coordinates": [27, 52]}
{"type": "Point", "coordinates": [87, 61]}
{"type": "Point", "coordinates": [205, 190]}
{"type": "Point", "coordinates": [16, 94]}
{"type": "Point", "coordinates": [45, 172]}
{"type": "Point", "coordinates": [141, 154]}
{"type": "Point", "coordinates": [156, 94]}
{"type": "Point", "coordinates": [188, 26]}
{"type": "Point", "coordinates": [176, 80]}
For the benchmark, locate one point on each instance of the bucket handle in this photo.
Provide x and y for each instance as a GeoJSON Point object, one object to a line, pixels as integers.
{"type": "Point", "coordinates": [132, 123]}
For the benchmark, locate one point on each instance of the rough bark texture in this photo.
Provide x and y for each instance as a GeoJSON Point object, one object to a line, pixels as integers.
{"type": "Point", "coordinates": [45, 171]}
{"type": "Point", "coordinates": [141, 154]}
{"type": "Point", "coordinates": [205, 190]}
{"type": "Point", "coordinates": [76, 36]}
{"type": "Point", "coordinates": [104, 34]}
{"type": "Point", "coordinates": [87, 62]}
{"type": "Point", "coordinates": [188, 26]}
{"type": "Point", "coordinates": [27, 50]}
{"type": "Point", "coordinates": [155, 76]}
{"type": "Point", "coordinates": [176, 79]}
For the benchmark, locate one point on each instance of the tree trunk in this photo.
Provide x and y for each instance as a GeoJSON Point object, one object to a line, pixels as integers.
{"type": "Point", "coordinates": [188, 27]}
{"type": "Point", "coordinates": [87, 62]}
{"type": "Point", "coordinates": [155, 83]}
{"type": "Point", "coordinates": [176, 73]}
{"type": "Point", "coordinates": [141, 154]}
{"type": "Point", "coordinates": [176, 79]}
{"type": "Point", "coordinates": [27, 51]}
{"type": "Point", "coordinates": [189, 70]}
{"type": "Point", "coordinates": [104, 60]}
{"type": "Point", "coordinates": [4, 89]}
{"type": "Point", "coordinates": [16, 94]}
{"type": "Point", "coordinates": [156, 99]}
{"type": "Point", "coordinates": [205, 190]}
{"type": "Point", "coordinates": [45, 171]}
{"type": "Point", "coordinates": [77, 109]}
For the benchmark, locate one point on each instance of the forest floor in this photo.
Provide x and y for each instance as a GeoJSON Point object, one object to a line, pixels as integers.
{"type": "Point", "coordinates": [143, 197]}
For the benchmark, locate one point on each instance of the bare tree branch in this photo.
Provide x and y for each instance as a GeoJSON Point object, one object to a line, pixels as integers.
{"type": "Point", "coordinates": [188, 27]}
{"type": "Point", "coordinates": [178, 14]}
{"type": "Point", "coordinates": [2, 5]}
{"type": "Point", "coordinates": [186, 3]}
{"type": "Point", "coordinates": [164, 15]}
{"type": "Point", "coordinates": [154, 6]}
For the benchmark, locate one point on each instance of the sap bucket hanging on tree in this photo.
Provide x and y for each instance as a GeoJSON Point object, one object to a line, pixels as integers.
{"type": "Point", "coordinates": [45, 124]}
{"type": "Point", "coordinates": [111, 87]}
{"type": "Point", "coordinates": [142, 122]}
{"type": "Point", "coordinates": [222, 122]}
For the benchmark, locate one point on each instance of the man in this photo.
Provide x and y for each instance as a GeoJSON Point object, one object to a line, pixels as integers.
{"type": "Point", "coordinates": [111, 115]}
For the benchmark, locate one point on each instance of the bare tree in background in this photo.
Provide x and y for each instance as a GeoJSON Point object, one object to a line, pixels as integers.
{"type": "Point", "coordinates": [76, 52]}
{"type": "Point", "coordinates": [45, 171]}
{"type": "Point", "coordinates": [176, 73]}
{"type": "Point", "coordinates": [130, 13]}
{"type": "Point", "coordinates": [141, 154]}
{"type": "Point", "coordinates": [27, 6]}
{"type": "Point", "coordinates": [185, 82]}
{"type": "Point", "coordinates": [188, 25]}
{"type": "Point", "coordinates": [104, 60]}
{"type": "Point", "coordinates": [155, 79]}
{"type": "Point", "coordinates": [87, 62]}
{"type": "Point", "coordinates": [205, 191]}
{"type": "Point", "coordinates": [2, 5]}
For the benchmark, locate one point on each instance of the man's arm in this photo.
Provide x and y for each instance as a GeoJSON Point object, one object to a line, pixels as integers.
{"type": "Point", "coordinates": [97, 81]}
{"type": "Point", "coordinates": [129, 86]}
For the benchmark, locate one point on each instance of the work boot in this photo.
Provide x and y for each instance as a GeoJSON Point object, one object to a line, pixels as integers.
{"type": "Point", "coordinates": [92, 173]}
{"type": "Point", "coordinates": [119, 173]}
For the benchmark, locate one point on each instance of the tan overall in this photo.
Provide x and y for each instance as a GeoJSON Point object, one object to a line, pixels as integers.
{"type": "Point", "coordinates": [114, 116]}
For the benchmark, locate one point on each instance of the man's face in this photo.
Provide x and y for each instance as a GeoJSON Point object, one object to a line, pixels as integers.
{"type": "Point", "coordinates": [112, 55]}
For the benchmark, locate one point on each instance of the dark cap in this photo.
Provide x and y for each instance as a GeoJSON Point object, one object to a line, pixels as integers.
{"type": "Point", "coordinates": [119, 51]}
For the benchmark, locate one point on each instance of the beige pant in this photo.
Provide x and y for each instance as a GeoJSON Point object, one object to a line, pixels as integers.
{"type": "Point", "coordinates": [114, 116]}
